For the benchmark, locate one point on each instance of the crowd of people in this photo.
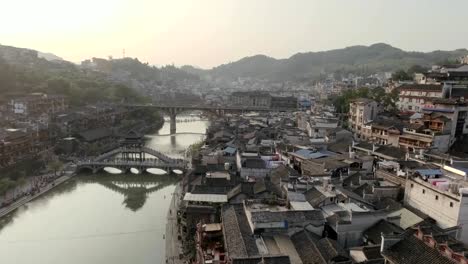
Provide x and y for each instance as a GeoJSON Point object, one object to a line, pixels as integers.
{"type": "Point", "coordinates": [32, 187]}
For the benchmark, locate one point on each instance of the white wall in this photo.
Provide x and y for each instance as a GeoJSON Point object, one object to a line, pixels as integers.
{"type": "Point", "coordinates": [439, 209]}
{"type": "Point", "coordinates": [260, 173]}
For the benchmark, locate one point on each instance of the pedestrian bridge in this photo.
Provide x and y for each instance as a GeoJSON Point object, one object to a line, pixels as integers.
{"type": "Point", "coordinates": [125, 159]}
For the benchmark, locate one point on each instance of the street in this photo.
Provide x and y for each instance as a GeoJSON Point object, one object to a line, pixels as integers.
{"type": "Point", "coordinates": [173, 245]}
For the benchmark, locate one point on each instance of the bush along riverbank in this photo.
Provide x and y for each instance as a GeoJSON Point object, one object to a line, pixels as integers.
{"type": "Point", "coordinates": [144, 121]}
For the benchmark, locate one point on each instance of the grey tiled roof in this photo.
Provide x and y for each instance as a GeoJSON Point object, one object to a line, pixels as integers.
{"type": "Point", "coordinates": [232, 235]}
{"type": "Point", "coordinates": [411, 250]}
{"type": "Point", "coordinates": [316, 250]}
{"type": "Point", "coordinates": [305, 247]}
{"type": "Point", "coordinates": [237, 234]}
{"type": "Point", "coordinates": [374, 233]}
{"type": "Point", "coordinates": [314, 197]}
{"type": "Point", "coordinates": [330, 250]}
{"type": "Point", "coordinates": [290, 216]}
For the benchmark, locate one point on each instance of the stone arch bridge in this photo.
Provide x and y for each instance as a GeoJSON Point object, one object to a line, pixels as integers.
{"type": "Point", "coordinates": [127, 158]}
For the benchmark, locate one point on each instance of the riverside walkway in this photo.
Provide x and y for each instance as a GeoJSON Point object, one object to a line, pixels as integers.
{"type": "Point", "coordinates": [24, 200]}
{"type": "Point", "coordinates": [173, 244]}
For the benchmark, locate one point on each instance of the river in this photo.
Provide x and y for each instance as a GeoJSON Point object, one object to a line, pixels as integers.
{"type": "Point", "coordinates": [102, 218]}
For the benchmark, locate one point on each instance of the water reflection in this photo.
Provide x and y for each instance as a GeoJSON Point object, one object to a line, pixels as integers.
{"type": "Point", "coordinates": [102, 218]}
{"type": "Point", "coordinates": [39, 204]}
{"type": "Point", "coordinates": [134, 188]}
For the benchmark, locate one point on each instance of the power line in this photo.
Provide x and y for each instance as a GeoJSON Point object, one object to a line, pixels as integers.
{"type": "Point", "coordinates": [90, 236]}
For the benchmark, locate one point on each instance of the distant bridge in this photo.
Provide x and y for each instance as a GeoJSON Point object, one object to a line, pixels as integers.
{"type": "Point", "coordinates": [172, 110]}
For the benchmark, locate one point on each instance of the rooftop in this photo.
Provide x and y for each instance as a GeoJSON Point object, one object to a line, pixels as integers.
{"type": "Point", "coordinates": [413, 250]}
{"type": "Point", "coordinates": [211, 198]}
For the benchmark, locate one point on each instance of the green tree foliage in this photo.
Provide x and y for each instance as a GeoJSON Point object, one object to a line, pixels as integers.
{"type": "Point", "coordinates": [359, 60]}
{"type": "Point", "coordinates": [6, 184]}
{"type": "Point", "coordinates": [55, 166]}
{"type": "Point", "coordinates": [194, 149]}
{"type": "Point", "coordinates": [417, 69]}
{"type": "Point", "coordinates": [401, 75]}
{"type": "Point", "coordinates": [81, 87]}
{"type": "Point", "coordinates": [378, 94]}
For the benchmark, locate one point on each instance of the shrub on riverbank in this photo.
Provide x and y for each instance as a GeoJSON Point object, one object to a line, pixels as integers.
{"type": "Point", "coordinates": [193, 150]}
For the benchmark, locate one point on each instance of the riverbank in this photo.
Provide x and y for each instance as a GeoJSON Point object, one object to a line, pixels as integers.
{"type": "Point", "coordinates": [173, 244]}
{"type": "Point", "coordinates": [115, 213]}
{"type": "Point", "coordinates": [22, 201]}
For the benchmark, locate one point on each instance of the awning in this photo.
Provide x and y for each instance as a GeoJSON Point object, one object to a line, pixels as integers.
{"type": "Point", "coordinates": [209, 198]}
{"type": "Point", "coordinates": [388, 164]}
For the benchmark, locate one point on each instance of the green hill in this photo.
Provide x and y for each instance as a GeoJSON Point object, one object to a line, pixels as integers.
{"type": "Point", "coordinates": [356, 59]}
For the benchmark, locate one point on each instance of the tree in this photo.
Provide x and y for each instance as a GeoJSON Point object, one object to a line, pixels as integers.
{"type": "Point", "coordinates": [341, 103]}
{"type": "Point", "coordinates": [401, 75]}
{"type": "Point", "coordinates": [55, 166]}
{"type": "Point", "coordinates": [194, 149]}
{"type": "Point", "coordinates": [5, 185]}
{"type": "Point", "coordinates": [416, 69]}
{"type": "Point", "coordinates": [92, 149]}
{"type": "Point", "coordinates": [58, 85]}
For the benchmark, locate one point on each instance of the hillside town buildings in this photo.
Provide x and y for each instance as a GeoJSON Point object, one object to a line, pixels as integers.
{"type": "Point", "coordinates": [292, 186]}
{"type": "Point", "coordinates": [300, 183]}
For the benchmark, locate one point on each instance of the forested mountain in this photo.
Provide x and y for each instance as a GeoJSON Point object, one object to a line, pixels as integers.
{"type": "Point", "coordinates": [356, 59]}
{"type": "Point", "coordinates": [49, 56]}
{"type": "Point", "coordinates": [23, 71]}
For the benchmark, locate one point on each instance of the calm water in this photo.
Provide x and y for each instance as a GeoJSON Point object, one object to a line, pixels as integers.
{"type": "Point", "coordinates": [99, 218]}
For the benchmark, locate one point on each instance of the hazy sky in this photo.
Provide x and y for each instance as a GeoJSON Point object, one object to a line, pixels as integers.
{"type": "Point", "coordinates": [207, 33]}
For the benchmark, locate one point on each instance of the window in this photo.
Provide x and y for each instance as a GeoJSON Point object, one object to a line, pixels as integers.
{"type": "Point", "coordinates": [437, 197]}
{"type": "Point", "coordinates": [412, 185]}
{"type": "Point", "coordinates": [423, 191]}
{"type": "Point", "coordinates": [451, 204]}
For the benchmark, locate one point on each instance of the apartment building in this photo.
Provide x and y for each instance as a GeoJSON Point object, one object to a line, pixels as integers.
{"type": "Point", "coordinates": [37, 104]}
{"type": "Point", "coordinates": [413, 97]}
{"type": "Point", "coordinates": [361, 112]}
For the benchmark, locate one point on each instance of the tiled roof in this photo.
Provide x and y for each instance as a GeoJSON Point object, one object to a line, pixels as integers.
{"type": "Point", "coordinates": [390, 151]}
{"type": "Point", "coordinates": [95, 134]}
{"type": "Point", "coordinates": [309, 154]}
{"type": "Point", "coordinates": [421, 87]}
{"type": "Point", "coordinates": [314, 197]}
{"type": "Point", "coordinates": [330, 250]}
{"type": "Point", "coordinates": [232, 235]}
{"type": "Point", "coordinates": [459, 92]}
{"type": "Point", "coordinates": [411, 250]}
{"type": "Point", "coordinates": [306, 248]}
{"type": "Point", "coordinates": [255, 163]}
{"type": "Point", "coordinates": [290, 217]}
{"type": "Point", "coordinates": [374, 233]}
{"type": "Point", "coordinates": [237, 235]}
{"type": "Point", "coordinates": [386, 124]}
{"type": "Point", "coordinates": [352, 179]}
